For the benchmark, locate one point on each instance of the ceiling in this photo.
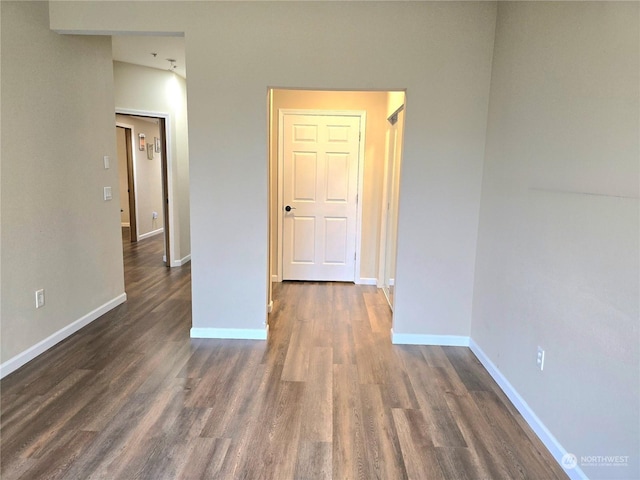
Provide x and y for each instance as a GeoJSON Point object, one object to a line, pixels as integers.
{"type": "Point", "coordinates": [139, 49]}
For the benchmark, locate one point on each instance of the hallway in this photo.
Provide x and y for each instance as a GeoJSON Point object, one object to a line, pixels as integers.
{"type": "Point", "coordinates": [328, 396]}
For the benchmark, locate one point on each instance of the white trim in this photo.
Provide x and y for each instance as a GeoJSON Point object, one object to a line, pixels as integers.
{"type": "Point", "coordinates": [32, 352]}
{"type": "Point", "coordinates": [178, 263]}
{"type": "Point", "coordinates": [389, 299]}
{"type": "Point", "coordinates": [367, 281]}
{"type": "Point", "coordinates": [543, 433]}
{"type": "Point", "coordinates": [125, 225]}
{"type": "Point", "coordinates": [361, 151]}
{"type": "Point", "coordinates": [168, 126]}
{"type": "Point", "coordinates": [270, 307]}
{"type": "Point", "coordinates": [279, 185]}
{"type": "Point", "coordinates": [231, 333]}
{"type": "Point", "coordinates": [382, 253]}
{"type": "Point", "coordinates": [275, 278]}
{"type": "Point", "coordinates": [420, 339]}
{"type": "Point", "coordinates": [151, 234]}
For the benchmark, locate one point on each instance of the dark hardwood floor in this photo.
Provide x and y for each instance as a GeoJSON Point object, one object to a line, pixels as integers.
{"type": "Point", "coordinates": [327, 396]}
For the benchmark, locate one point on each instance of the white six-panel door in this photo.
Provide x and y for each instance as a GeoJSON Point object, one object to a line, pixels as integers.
{"type": "Point", "coordinates": [320, 187]}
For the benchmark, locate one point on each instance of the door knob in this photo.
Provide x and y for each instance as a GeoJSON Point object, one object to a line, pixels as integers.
{"type": "Point", "coordinates": [288, 208]}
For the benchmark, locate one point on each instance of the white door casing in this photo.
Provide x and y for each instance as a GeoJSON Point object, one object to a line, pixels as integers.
{"type": "Point", "coordinates": [320, 178]}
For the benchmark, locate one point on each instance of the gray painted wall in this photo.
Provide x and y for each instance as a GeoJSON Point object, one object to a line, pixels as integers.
{"type": "Point", "coordinates": [558, 243]}
{"type": "Point", "coordinates": [440, 52]}
{"type": "Point", "coordinates": [57, 231]}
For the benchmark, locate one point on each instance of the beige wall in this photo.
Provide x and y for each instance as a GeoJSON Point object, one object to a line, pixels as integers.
{"type": "Point", "coordinates": [57, 231]}
{"type": "Point", "coordinates": [558, 246]}
{"type": "Point", "coordinates": [440, 52]}
{"type": "Point", "coordinates": [157, 91]}
{"type": "Point", "coordinates": [394, 102]}
{"type": "Point", "coordinates": [147, 174]}
{"type": "Point", "coordinates": [374, 103]}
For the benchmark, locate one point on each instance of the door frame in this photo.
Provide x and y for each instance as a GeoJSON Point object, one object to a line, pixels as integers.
{"type": "Point", "coordinates": [131, 181]}
{"type": "Point", "coordinates": [167, 178]}
{"type": "Point", "coordinates": [362, 114]}
{"type": "Point", "coordinates": [391, 197]}
{"type": "Point", "coordinates": [390, 166]}
{"type": "Point", "coordinates": [384, 214]}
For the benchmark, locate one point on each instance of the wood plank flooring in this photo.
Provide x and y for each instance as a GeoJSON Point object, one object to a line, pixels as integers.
{"type": "Point", "coordinates": [131, 396]}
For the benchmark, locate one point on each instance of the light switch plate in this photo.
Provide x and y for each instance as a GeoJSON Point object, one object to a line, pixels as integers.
{"type": "Point", "coordinates": [40, 298]}
{"type": "Point", "coordinates": [540, 358]}
{"type": "Point", "coordinates": [107, 162]}
{"type": "Point", "coordinates": [107, 193]}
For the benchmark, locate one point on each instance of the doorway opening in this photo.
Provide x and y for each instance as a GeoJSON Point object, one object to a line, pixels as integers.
{"type": "Point", "coordinates": [143, 178]}
{"type": "Point", "coordinates": [298, 179]}
{"type": "Point", "coordinates": [390, 204]}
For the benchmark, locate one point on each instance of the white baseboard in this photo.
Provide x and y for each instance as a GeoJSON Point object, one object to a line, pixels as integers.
{"type": "Point", "coordinates": [150, 234]}
{"type": "Point", "coordinates": [270, 307]}
{"type": "Point", "coordinates": [231, 333]}
{"type": "Point", "coordinates": [543, 433]}
{"type": "Point", "coordinates": [419, 339]}
{"type": "Point", "coordinates": [32, 352]}
{"type": "Point", "coordinates": [178, 263]}
{"type": "Point", "coordinates": [125, 225]}
{"type": "Point", "coordinates": [274, 278]}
